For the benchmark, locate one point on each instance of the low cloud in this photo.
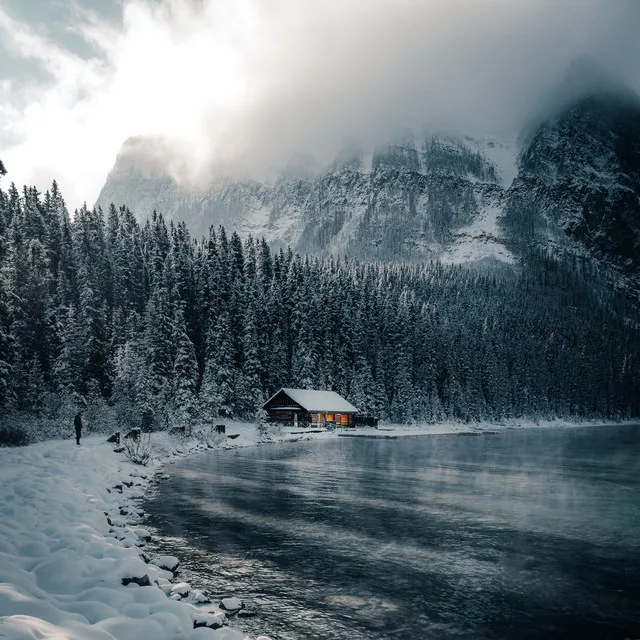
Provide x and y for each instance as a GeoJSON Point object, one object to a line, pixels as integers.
{"type": "Point", "coordinates": [246, 84]}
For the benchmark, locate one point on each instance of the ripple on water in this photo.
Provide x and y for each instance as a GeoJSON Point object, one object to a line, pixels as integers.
{"type": "Point", "coordinates": [425, 538]}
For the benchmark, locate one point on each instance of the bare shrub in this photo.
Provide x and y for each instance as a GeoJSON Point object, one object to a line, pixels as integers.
{"type": "Point", "coordinates": [138, 449]}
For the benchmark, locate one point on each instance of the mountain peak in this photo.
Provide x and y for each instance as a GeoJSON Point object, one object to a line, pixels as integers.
{"type": "Point", "coordinates": [586, 78]}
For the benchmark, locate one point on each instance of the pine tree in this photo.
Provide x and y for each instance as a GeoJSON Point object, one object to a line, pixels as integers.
{"type": "Point", "coordinates": [130, 316]}
{"type": "Point", "coordinates": [185, 375]}
{"type": "Point", "coordinates": [68, 367]}
{"type": "Point", "coordinates": [249, 396]}
{"type": "Point", "coordinates": [159, 348]}
{"type": "Point", "coordinates": [217, 389]}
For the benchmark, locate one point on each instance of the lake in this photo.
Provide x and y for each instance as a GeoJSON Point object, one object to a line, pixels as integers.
{"type": "Point", "coordinates": [523, 534]}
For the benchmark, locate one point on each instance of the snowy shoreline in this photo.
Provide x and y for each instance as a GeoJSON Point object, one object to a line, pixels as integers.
{"type": "Point", "coordinates": [71, 539]}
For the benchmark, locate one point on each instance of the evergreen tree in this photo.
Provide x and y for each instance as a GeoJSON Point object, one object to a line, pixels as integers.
{"type": "Point", "coordinates": [132, 316]}
{"type": "Point", "coordinates": [185, 375]}
{"type": "Point", "coordinates": [217, 389]}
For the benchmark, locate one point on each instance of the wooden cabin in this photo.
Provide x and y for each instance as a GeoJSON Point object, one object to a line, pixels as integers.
{"type": "Point", "coordinates": [307, 407]}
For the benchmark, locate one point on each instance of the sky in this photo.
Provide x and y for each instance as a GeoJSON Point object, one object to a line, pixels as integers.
{"type": "Point", "coordinates": [243, 85]}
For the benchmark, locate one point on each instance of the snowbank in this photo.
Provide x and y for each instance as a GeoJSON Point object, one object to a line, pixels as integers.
{"type": "Point", "coordinates": [70, 550]}
{"type": "Point", "coordinates": [456, 428]}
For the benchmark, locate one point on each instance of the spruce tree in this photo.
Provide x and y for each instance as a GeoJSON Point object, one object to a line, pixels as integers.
{"type": "Point", "coordinates": [185, 375]}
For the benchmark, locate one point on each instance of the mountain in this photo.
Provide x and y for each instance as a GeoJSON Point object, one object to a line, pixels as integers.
{"type": "Point", "coordinates": [578, 182]}
{"type": "Point", "coordinates": [570, 183]}
{"type": "Point", "coordinates": [412, 199]}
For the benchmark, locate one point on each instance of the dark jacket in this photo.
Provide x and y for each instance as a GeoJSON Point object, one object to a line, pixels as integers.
{"type": "Point", "coordinates": [77, 423]}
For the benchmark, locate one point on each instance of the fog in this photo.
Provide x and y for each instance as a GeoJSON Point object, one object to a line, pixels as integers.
{"type": "Point", "coordinates": [246, 84]}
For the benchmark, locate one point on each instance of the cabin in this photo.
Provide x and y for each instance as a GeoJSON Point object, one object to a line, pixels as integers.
{"type": "Point", "coordinates": [310, 407]}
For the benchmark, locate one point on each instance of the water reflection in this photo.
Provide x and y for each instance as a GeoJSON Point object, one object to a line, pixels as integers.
{"type": "Point", "coordinates": [524, 534]}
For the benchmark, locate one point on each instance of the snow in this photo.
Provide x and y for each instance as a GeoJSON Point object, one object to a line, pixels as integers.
{"type": "Point", "coordinates": [182, 589]}
{"type": "Point", "coordinates": [313, 400]}
{"type": "Point", "coordinates": [502, 151]}
{"type": "Point", "coordinates": [386, 430]}
{"type": "Point", "coordinates": [231, 604]}
{"type": "Point", "coordinates": [63, 565]}
{"type": "Point", "coordinates": [480, 240]}
{"type": "Point", "coordinates": [169, 563]}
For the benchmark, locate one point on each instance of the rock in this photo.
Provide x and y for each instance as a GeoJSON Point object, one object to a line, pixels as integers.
{"type": "Point", "coordinates": [210, 620]}
{"type": "Point", "coordinates": [182, 589]}
{"type": "Point", "coordinates": [231, 604]}
{"type": "Point", "coordinates": [246, 613]}
{"type": "Point", "coordinates": [168, 563]}
{"type": "Point", "coordinates": [115, 438]}
{"type": "Point", "coordinates": [263, 638]}
{"type": "Point", "coordinates": [176, 431]}
{"type": "Point", "coordinates": [167, 575]}
{"type": "Point", "coordinates": [142, 581]}
{"type": "Point", "coordinates": [164, 585]}
{"type": "Point", "coordinates": [134, 434]}
{"type": "Point", "coordinates": [200, 598]}
{"type": "Point", "coordinates": [143, 534]}
{"type": "Point", "coordinates": [145, 557]}
{"type": "Point", "coordinates": [175, 596]}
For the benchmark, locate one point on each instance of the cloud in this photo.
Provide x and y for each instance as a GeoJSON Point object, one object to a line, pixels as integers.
{"type": "Point", "coordinates": [248, 83]}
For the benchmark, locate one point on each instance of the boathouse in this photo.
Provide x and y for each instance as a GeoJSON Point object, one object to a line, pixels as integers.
{"type": "Point", "coordinates": [310, 407]}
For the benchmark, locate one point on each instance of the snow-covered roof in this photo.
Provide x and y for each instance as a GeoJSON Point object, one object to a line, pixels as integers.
{"type": "Point", "coordinates": [313, 400]}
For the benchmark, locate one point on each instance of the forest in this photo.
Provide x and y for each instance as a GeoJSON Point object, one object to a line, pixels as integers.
{"type": "Point", "coordinates": [101, 312]}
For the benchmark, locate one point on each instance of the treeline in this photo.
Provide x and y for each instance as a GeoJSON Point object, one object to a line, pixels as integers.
{"type": "Point", "coordinates": [123, 316]}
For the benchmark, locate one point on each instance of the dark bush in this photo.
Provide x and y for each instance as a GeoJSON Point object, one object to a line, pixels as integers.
{"type": "Point", "coordinates": [13, 435]}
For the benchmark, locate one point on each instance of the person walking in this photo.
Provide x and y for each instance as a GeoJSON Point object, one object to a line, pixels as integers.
{"type": "Point", "coordinates": [77, 423]}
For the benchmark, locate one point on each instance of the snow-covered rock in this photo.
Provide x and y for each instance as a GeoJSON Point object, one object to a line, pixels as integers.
{"type": "Point", "coordinates": [182, 589]}
{"type": "Point", "coordinates": [143, 534]}
{"type": "Point", "coordinates": [231, 604]}
{"type": "Point", "coordinates": [168, 563]}
{"type": "Point", "coordinates": [205, 619]}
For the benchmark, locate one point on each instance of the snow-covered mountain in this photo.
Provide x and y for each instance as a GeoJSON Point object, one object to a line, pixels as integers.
{"type": "Point", "coordinates": [571, 182]}
{"type": "Point", "coordinates": [412, 199]}
{"type": "Point", "coordinates": [578, 181]}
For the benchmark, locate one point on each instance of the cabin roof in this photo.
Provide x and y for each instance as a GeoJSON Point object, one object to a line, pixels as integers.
{"type": "Point", "coordinates": [313, 400]}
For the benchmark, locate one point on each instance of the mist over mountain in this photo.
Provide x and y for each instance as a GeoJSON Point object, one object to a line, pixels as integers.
{"type": "Point", "coordinates": [570, 182]}
{"type": "Point", "coordinates": [578, 182]}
